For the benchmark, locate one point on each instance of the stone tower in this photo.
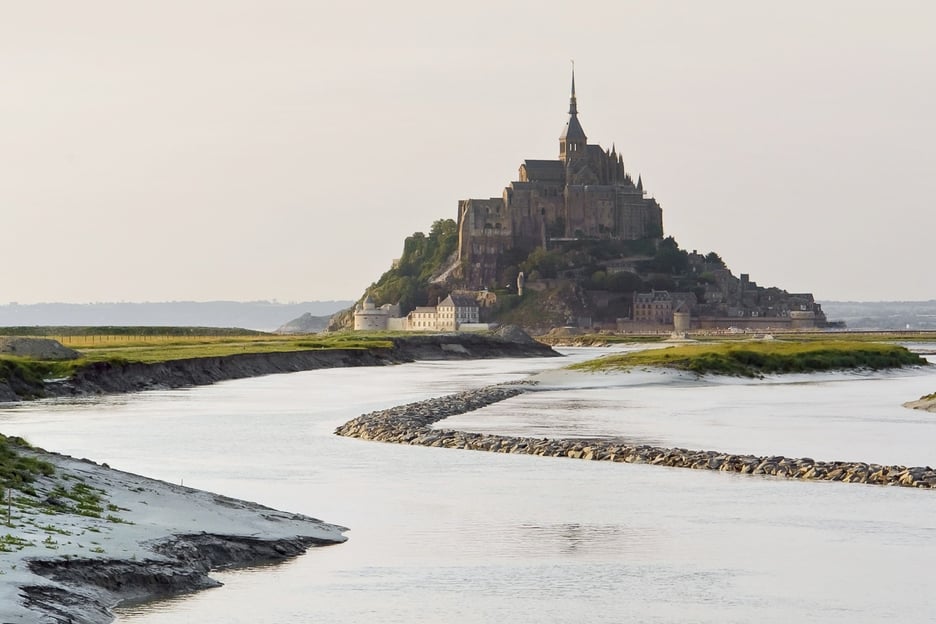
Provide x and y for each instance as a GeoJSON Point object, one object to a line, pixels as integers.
{"type": "Point", "coordinates": [572, 141]}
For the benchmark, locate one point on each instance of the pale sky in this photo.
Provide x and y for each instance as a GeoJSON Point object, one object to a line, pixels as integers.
{"type": "Point", "coordinates": [248, 149]}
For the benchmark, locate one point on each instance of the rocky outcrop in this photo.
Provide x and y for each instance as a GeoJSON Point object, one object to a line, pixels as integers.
{"type": "Point", "coordinates": [116, 377]}
{"type": "Point", "coordinates": [85, 589]}
{"type": "Point", "coordinates": [305, 324]}
{"type": "Point", "coordinates": [926, 403]}
{"type": "Point", "coordinates": [412, 424]}
{"type": "Point", "coordinates": [38, 348]}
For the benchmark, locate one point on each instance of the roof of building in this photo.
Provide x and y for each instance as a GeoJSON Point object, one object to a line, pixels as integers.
{"type": "Point", "coordinates": [545, 170]}
{"type": "Point", "coordinates": [459, 301]}
{"type": "Point", "coordinates": [573, 129]}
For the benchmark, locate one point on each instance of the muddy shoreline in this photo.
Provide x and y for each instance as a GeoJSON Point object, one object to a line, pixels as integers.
{"type": "Point", "coordinates": [66, 562]}
{"type": "Point", "coordinates": [87, 589]}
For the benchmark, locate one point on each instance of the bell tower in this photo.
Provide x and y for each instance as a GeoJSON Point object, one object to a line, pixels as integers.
{"type": "Point", "coordinates": [572, 141]}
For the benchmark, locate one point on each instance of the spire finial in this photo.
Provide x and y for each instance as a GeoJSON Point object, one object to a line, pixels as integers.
{"type": "Point", "coordinates": [573, 106]}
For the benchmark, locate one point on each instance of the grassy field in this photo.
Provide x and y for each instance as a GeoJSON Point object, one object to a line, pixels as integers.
{"type": "Point", "coordinates": [590, 340]}
{"type": "Point", "coordinates": [586, 340]}
{"type": "Point", "coordinates": [127, 346]}
{"type": "Point", "coordinates": [862, 336]}
{"type": "Point", "coordinates": [753, 359]}
{"type": "Point", "coordinates": [18, 471]}
{"type": "Point", "coordinates": [131, 345]}
{"type": "Point", "coordinates": [164, 348]}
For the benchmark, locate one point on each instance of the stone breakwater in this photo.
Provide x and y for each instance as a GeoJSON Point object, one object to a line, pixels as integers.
{"type": "Point", "coordinates": [412, 424]}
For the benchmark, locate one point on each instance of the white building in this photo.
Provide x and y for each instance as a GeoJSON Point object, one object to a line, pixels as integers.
{"type": "Point", "coordinates": [368, 317]}
{"type": "Point", "coordinates": [422, 319]}
{"type": "Point", "coordinates": [451, 314]}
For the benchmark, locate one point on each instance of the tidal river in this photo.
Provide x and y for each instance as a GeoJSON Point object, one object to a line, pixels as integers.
{"type": "Point", "coordinates": [466, 537]}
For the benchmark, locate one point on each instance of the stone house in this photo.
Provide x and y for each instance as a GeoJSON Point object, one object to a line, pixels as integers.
{"type": "Point", "coordinates": [423, 318]}
{"type": "Point", "coordinates": [449, 315]}
{"type": "Point", "coordinates": [456, 310]}
{"type": "Point", "coordinates": [658, 306]}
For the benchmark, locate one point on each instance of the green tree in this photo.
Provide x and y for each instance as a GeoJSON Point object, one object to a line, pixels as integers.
{"type": "Point", "coordinates": [625, 282]}
{"type": "Point", "coordinates": [670, 258]}
{"type": "Point", "coordinates": [713, 258]}
{"type": "Point", "coordinates": [546, 264]}
{"type": "Point", "coordinates": [423, 257]}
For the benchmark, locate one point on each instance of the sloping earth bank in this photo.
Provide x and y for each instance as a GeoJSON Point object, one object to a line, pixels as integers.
{"type": "Point", "coordinates": [108, 377]}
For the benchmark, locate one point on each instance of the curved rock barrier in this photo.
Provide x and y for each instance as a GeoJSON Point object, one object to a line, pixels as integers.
{"type": "Point", "coordinates": [412, 424]}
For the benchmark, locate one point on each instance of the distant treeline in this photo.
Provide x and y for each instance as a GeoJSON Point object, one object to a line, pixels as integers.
{"type": "Point", "coordinates": [126, 331]}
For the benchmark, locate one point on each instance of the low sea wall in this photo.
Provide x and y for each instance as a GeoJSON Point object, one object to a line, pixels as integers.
{"type": "Point", "coordinates": [412, 424]}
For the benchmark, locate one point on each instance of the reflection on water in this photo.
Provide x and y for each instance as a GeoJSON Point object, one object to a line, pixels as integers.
{"type": "Point", "coordinates": [455, 536]}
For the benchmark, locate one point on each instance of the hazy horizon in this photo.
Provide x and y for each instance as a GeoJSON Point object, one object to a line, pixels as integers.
{"type": "Point", "coordinates": [248, 151]}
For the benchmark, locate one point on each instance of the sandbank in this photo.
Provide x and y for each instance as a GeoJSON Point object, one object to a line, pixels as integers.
{"type": "Point", "coordinates": [152, 539]}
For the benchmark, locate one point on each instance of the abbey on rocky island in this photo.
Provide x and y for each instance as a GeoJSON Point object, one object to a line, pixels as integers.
{"type": "Point", "coordinates": [585, 193]}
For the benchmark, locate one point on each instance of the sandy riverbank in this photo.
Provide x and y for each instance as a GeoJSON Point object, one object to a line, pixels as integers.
{"type": "Point", "coordinates": [927, 404]}
{"type": "Point", "coordinates": [151, 539]}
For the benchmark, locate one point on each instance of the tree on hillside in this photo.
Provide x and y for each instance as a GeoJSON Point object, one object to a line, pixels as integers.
{"type": "Point", "coordinates": [544, 263]}
{"type": "Point", "coordinates": [423, 257]}
{"type": "Point", "coordinates": [670, 258]}
{"type": "Point", "coordinates": [713, 258]}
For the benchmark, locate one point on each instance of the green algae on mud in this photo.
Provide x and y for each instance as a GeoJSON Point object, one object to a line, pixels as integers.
{"type": "Point", "coordinates": [754, 359]}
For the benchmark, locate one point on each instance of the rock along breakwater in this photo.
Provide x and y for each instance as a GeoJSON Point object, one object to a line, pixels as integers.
{"type": "Point", "coordinates": [412, 424]}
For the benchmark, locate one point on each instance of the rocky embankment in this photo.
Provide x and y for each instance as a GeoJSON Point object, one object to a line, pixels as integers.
{"type": "Point", "coordinates": [412, 424]}
{"type": "Point", "coordinates": [114, 377]}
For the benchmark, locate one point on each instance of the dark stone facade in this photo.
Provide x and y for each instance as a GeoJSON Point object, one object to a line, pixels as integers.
{"type": "Point", "coordinates": [586, 193]}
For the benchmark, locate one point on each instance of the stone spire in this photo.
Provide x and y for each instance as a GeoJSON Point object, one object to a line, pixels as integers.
{"type": "Point", "coordinates": [572, 141]}
{"type": "Point", "coordinates": [640, 185]}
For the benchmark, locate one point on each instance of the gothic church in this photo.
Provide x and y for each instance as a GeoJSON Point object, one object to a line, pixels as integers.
{"type": "Point", "coordinates": [585, 193]}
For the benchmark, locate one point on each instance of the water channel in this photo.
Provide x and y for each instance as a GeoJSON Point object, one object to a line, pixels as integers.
{"type": "Point", "coordinates": [458, 536]}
